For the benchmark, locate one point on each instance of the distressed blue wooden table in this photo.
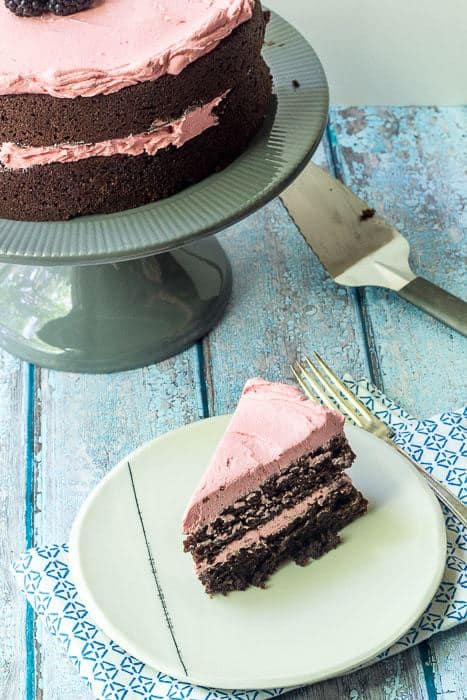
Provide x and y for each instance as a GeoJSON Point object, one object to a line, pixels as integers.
{"type": "Point", "coordinates": [59, 434]}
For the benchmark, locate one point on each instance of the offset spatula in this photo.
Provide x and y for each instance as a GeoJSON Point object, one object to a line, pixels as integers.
{"type": "Point", "coordinates": [358, 248]}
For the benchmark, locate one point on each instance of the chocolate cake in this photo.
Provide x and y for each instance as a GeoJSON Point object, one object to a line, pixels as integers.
{"type": "Point", "coordinates": [125, 102]}
{"type": "Point", "coordinates": [276, 489]}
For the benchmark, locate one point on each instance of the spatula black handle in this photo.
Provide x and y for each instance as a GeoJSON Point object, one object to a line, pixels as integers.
{"type": "Point", "coordinates": [437, 302]}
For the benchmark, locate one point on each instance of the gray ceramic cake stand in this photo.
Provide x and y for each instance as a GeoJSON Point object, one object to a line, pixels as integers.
{"type": "Point", "coordinates": [115, 292]}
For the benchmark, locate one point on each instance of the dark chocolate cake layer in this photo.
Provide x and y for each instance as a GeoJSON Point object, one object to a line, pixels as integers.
{"type": "Point", "coordinates": [40, 120]}
{"type": "Point", "coordinates": [254, 567]}
{"type": "Point", "coordinates": [308, 537]}
{"type": "Point", "coordinates": [277, 493]}
{"type": "Point", "coordinates": [108, 184]}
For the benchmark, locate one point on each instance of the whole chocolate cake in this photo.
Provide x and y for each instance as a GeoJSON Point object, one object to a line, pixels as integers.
{"type": "Point", "coordinates": [106, 105]}
{"type": "Point", "coordinates": [275, 489]}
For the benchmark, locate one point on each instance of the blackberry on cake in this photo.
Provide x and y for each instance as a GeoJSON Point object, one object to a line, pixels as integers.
{"type": "Point", "coordinates": [35, 8]}
{"type": "Point", "coordinates": [26, 8]}
{"type": "Point", "coordinates": [276, 489]}
{"type": "Point", "coordinates": [137, 102]}
{"type": "Point", "coordinates": [68, 7]}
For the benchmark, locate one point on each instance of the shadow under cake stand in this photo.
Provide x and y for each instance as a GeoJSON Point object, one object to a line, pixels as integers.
{"type": "Point", "coordinates": [114, 292]}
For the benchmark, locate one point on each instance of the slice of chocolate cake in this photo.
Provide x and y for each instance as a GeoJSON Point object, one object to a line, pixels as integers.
{"type": "Point", "coordinates": [275, 489]}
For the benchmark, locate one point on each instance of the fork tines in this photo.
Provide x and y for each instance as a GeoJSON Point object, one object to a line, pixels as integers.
{"type": "Point", "coordinates": [319, 381]}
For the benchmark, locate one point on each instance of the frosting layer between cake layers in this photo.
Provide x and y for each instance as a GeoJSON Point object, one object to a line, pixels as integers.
{"type": "Point", "coordinates": [274, 425]}
{"type": "Point", "coordinates": [115, 44]}
{"type": "Point", "coordinates": [160, 136]}
{"type": "Point", "coordinates": [104, 184]}
{"type": "Point", "coordinates": [275, 525]}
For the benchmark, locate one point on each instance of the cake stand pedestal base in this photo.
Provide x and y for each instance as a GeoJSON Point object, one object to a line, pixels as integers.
{"type": "Point", "coordinates": [113, 317]}
{"type": "Point", "coordinates": [117, 316]}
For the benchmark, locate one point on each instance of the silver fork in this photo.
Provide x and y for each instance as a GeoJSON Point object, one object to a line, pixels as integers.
{"type": "Point", "coordinates": [319, 381]}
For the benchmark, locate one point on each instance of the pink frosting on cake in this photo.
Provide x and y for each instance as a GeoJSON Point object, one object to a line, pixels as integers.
{"type": "Point", "coordinates": [114, 44]}
{"type": "Point", "coordinates": [175, 133]}
{"type": "Point", "coordinates": [275, 525]}
{"type": "Point", "coordinates": [274, 425]}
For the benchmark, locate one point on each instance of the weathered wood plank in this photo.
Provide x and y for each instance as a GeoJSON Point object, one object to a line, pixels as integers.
{"type": "Point", "coordinates": [85, 425]}
{"type": "Point", "coordinates": [448, 661]}
{"type": "Point", "coordinates": [409, 163]}
{"type": "Point", "coordinates": [13, 446]}
{"type": "Point", "coordinates": [283, 301]}
{"type": "Point", "coordinates": [398, 678]}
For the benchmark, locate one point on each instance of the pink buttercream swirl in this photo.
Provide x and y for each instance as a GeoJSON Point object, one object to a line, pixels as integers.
{"type": "Point", "coordinates": [115, 44]}
{"type": "Point", "coordinates": [175, 133]}
{"type": "Point", "coordinates": [274, 425]}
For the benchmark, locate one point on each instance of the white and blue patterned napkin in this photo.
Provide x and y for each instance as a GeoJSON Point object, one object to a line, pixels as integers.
{"type": "Point", "coordinates": [439, 444]}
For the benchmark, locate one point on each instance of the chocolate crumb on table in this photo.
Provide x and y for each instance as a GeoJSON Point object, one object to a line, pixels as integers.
{"type": "Point", "coordinates": [367, 214]}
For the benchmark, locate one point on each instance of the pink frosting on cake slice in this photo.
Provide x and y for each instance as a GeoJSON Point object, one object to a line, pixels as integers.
{"type": "Point", "coordinates": [273, 425]}
{"type": "Point", "coordinates": [114, 44]}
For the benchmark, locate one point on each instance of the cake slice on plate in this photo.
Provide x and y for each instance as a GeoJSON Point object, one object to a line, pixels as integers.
{"type": "Point", "coordinates": [275, 489]}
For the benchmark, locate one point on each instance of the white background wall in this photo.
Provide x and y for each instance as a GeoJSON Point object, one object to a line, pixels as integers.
{"type": "Point", "coordinates": [387, 51]}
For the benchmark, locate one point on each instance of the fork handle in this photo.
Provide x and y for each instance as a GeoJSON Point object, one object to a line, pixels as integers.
{"type": "Point", "coordinates": [437, 302]}
{"type": "Point", "coordinates": [451, 502]}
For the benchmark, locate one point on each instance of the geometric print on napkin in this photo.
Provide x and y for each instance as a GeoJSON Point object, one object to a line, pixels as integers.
{"type": "Point", "coordinates": [438, 444]}
{"type": "Point", "coordinates": [109, 671]}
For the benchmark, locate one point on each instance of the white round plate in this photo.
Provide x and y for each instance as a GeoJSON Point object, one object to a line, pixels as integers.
{"type": "Point", "coordinates": [309, 624]}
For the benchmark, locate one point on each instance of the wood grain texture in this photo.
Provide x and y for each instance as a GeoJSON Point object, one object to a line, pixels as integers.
{"type": "Point", "coordinates": [447, 663]}
{"type": "Point", "coordinates": [398, 678]}
{"type": "Point", "coordinates": [283, 302]}
{"type": "Point", "coordinates": [86, 424]}
{"type": "Point", "coordinates": [410, 164]}
{"type": "Point", "coordinates": [13, 447]}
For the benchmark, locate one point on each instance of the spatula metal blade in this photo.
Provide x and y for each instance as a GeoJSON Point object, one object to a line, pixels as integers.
{"type": "Point", "coordinates": [355, 250]}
